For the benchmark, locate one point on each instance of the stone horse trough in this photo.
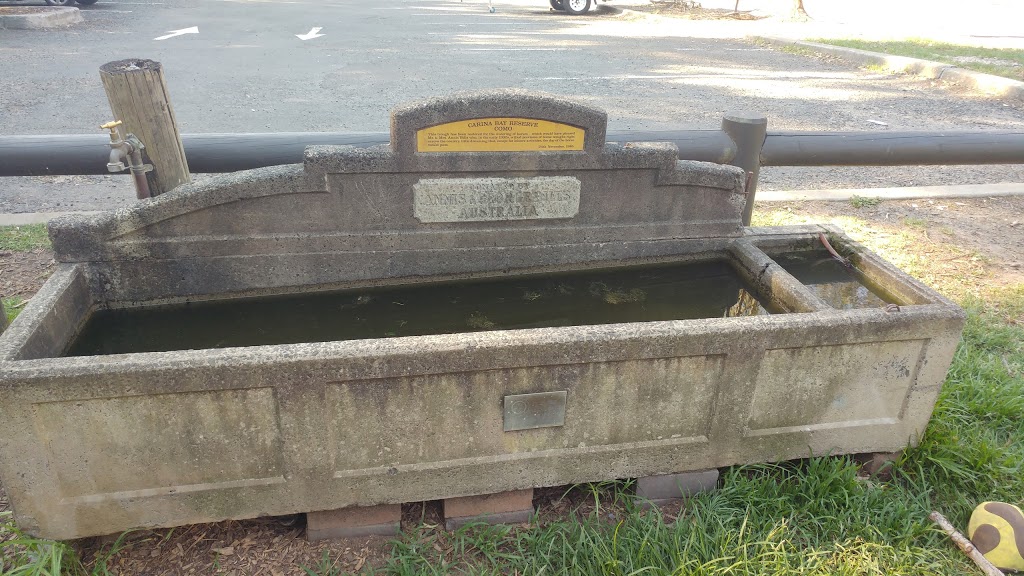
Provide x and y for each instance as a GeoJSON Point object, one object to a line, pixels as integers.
{"type": "Point", "coordinates": [499, 300]}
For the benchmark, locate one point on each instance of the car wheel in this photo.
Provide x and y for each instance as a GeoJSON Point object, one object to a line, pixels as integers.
{"type": "Point", "coordinates": [87, 2]}
{"type": "Point", "coordinates": [557, 4]}
{"type": "Point", "coordinates": [59, 2]}
{"type": "Point", "coordinates": [576, 7]}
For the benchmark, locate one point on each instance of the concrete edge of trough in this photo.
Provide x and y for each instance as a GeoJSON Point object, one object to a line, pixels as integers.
{"type": "Point", "coordinates": [978, 81]}
{"type": "Point", "coordinates": [839, 195]}
{"type": "Point", "coordinates": [38, 17]}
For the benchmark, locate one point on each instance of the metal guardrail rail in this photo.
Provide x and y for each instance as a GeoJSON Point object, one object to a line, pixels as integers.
{"type": "Point", "coordinates": [742, 141]}
{"type": "Point", "coordinates": [87, 154]}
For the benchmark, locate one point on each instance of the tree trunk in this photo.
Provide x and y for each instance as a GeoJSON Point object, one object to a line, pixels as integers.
{"type": "Point", "coordinates": [799, 12]}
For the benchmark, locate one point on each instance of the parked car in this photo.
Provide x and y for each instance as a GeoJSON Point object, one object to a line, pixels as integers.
{"type": "Point", "coordinates": [574, 7]}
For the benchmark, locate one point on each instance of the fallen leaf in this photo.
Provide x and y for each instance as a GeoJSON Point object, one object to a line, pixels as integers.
{"type": "Point", "coordinates": [228, 551]}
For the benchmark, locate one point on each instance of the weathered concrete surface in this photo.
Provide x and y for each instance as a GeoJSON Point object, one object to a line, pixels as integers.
{"type": "Point", "coordinates": [354, 522]}
{"type": "Point", "coordinates": [35, 17]}
{"type": "Point", "coordinates": [94, 445]}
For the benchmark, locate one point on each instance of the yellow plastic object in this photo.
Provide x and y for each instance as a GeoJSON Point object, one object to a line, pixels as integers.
{"type": "Point", "coordinates": [997, 530]}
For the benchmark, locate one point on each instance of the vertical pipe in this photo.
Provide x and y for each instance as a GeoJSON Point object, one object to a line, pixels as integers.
{"type": "Point", "coordinates": [748, 131]}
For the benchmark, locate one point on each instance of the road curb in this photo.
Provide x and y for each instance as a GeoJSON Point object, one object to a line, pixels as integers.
{"type": "Point", "coordinates": [26, 218]}
{"type": "Point", "coordinates": [37, 18]}
{"type": "Point", "coordinates": [901, 193]}
{"type": "Point", "coordinates": [985, 83]}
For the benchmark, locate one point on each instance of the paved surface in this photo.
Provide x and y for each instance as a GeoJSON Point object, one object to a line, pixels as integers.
{"type": "Point", "coordinates": [246, 71]}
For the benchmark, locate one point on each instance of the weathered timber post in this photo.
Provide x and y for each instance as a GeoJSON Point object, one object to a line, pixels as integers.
{"type": "Point", "coordinates": [748, 132]}
{"type": "Point", "coordinates": [138, 97]}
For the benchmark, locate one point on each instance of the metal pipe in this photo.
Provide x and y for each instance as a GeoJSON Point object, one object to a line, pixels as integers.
{"type": "Point", "coordinates": [748, 131]}
{"type": "Point", "coordinates": [87, 153]}
{"type": "Point", "coordinates": [138, 169]}
{"type": "Point", "coordinates": [893, 148]}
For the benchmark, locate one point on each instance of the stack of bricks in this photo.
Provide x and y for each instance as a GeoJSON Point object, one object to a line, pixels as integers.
{"type": "Point", "coordinates": [513, 507]}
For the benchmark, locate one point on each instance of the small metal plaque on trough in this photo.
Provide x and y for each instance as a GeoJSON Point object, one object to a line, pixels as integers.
{"type": "Point", "coordinates": [538, 410]}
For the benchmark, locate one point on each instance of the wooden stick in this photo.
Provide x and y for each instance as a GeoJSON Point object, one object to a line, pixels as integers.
{"type": "Point", "coordinates": [964, 544]}
{"type": "Point", "coordinates": [138, 97]}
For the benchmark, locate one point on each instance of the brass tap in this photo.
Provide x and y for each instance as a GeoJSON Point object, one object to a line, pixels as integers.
{"type": "Point", "coordinates": [128, 148]}
{"type": "Point", "coordinates": [118, 153]}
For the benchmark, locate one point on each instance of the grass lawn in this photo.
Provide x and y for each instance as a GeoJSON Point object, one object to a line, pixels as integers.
{"type": "Point", "coordinates": [12, 306]}
{"type": "Point", "coordinates": [817, 516]}
{"type": "Point", "coordinates": [1004, 62]}
{"type": "Point", "coordinates": [23, 238]}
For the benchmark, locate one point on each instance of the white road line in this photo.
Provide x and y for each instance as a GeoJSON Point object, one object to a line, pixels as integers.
{"type": "Point", "coordinates": [173, 33]}
{"type": "Point", "coordinates": [313, 33]}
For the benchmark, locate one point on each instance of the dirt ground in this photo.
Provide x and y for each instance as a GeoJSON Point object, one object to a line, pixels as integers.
{"type": "Point", "coordinates": [691, 10]}
{"type": "Point", "coordinates": [960, 246]}
{"type": "Point", "coordinates": [23, 273]}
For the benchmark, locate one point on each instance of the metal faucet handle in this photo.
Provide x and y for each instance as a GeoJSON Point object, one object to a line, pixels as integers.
{"type": "Point", "coordinates": [115, 133]}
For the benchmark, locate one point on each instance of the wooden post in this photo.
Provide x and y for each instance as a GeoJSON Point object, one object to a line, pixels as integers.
{"type": "Point", "coordinates": [138, 97]}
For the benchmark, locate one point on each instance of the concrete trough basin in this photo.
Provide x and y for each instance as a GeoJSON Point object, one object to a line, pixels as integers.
{"type": "Point", "coordinates": [455, 315]}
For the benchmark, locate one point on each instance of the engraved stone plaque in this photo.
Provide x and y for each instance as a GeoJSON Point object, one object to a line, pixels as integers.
{"type": "Point", "coordinates": [495, 199]}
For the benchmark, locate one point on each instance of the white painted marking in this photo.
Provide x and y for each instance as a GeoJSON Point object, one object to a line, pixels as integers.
{"type": "Point", "coordinates": [192, 30]}
{"type": "Point", "coordinates": [313, 33]}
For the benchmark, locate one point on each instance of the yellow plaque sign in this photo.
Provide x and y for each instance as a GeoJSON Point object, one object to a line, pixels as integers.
{"type": "Point", "coordinates": [499, 135]}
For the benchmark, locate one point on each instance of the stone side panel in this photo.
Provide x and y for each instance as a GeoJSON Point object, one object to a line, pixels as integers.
{"type": "Point", "coordinates": [93, 447]}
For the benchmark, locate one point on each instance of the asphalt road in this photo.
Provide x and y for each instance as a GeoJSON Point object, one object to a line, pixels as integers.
{"type": "Point", "coordinates": [246, 70]}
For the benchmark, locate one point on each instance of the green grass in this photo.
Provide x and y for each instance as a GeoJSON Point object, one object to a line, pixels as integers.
{"type": "Point", "coordinates": [13, 307]}
{"type": "Point", "coordinates": [864, 202]}
{"type": "Point", "coordinates": [23, 238]}
{"type": "Point", "coordinates": [23, 555]}
{"type": "Point", "coordinates": [944, 52]}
